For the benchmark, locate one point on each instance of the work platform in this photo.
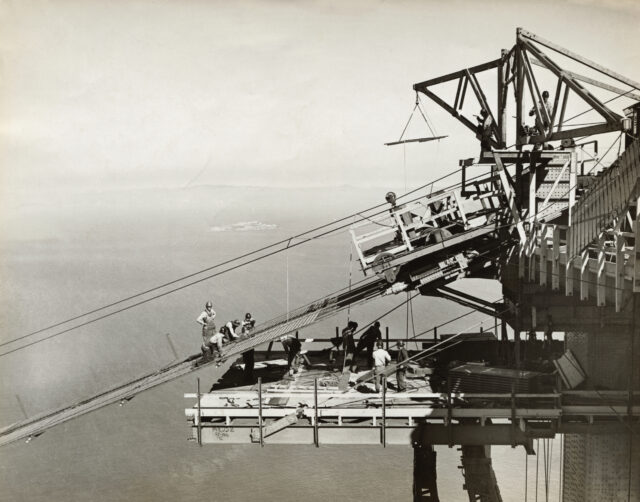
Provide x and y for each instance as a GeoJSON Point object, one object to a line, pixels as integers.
{"type": "Point", "coordinates": [311, 409]}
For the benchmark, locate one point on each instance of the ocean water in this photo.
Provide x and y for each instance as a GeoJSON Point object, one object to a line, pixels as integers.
{"type": "Point", "coordinates": [66, 253]}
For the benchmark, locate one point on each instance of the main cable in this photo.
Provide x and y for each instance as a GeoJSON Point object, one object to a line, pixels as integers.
{"type": "Point", "coordinates": [227, 262]}
{"type": "Point", "coordinates": [288, 241]}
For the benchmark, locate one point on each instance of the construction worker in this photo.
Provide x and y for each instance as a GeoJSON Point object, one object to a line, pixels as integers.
{"type": "Point", "coordinates": [231, 329]}
{"type": "Point", "coordinates": [401, 371]}
{"type": "Point", "coordinates": [484, 129]}
{"type": "Point", "coordinates": [543, 126]}
{"type": "Point", "coordinates": [349, 346]}
{"type": "Point", "coordinates": [380, 359]}
{"type": "Point", "coordinates": [205, 319]}
{"type": "Point", "coordinates": [248, 323]}
{"type": "Point", "coordinates": [214, 343]}
{"type": "Point", "coordinates": [543, 104]}
{"type": "Point", "coordinates": [292, 347]}
{"type": "Point", "coordinates": [368, 341]}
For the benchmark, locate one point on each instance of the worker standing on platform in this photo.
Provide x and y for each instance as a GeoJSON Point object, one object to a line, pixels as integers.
{"type": "Point", "coordinates": [543, 104]}
{"type": "Point", "coordinates": [205, 319]}
{"type": "Point", "coordinates": [484, 129]}
{"type": "Point", "coordinates": [349, 346]}
{"type": "Point", "coordinates": [368, 341]}
{"type": "Point", "coordinates": [380, 359]}
{"type": "Point", "coordinates": [401, 371]}
{"type": "Point", "coordinates": [542, 126]}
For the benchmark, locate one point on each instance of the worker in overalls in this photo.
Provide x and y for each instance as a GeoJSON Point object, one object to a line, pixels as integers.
{"type": "Point", "coordinates": [349, 346]}
{"type": "Point", "coordinates": [205, 319]}
{"type": "Point", "coordinates": [401, 370]}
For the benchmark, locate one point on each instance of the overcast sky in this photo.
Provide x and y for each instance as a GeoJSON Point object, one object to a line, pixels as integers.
{"type": "Point", "coordinates": [167, 93]}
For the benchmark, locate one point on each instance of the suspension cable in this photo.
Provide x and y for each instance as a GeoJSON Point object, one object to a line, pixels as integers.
{"type": "Point", "coordinates": [286, 241]}
{"type": "Point", "coordinates": [219, 273]}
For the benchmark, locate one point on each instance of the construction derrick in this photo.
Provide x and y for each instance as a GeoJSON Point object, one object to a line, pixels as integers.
{"type": "Point", "coordinates": [559, 231]}
{"type": "Point", "coordinates": [561, 241]}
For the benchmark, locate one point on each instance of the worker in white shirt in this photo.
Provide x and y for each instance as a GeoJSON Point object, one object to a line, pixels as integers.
{"type": "Point", "coordinates": [380, 359]}
{"type": "Point", "coordinates": [214, 342]}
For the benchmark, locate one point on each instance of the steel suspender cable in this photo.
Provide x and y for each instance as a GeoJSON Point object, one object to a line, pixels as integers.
{"type": "Point", "coordinates": [526, 474]}
{"type": "Point", "coordinates": [537, 462]}
{"type": "Point", "coordinates": [561, 468]}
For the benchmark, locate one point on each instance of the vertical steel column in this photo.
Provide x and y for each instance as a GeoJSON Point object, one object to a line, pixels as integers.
{"type": "Point", "coordinates": [260, 411]}
{"type": "Point", "coordinates": [384, 411]}
{"type": "Point", "coordinates": [387, 336]}
{"type": "Point", "coordinates": [449, 412]}
{"type": "Point", "coordinates": [513, 415]}
{"type": "Point", "coordinates": [316, 439]}
{"type": "Point", "coordinates": [502, 105]}
{"type": "Point", "coordinates": [199, 429]}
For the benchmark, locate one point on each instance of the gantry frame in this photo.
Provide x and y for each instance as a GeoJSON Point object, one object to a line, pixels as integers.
{"type": "Point", "coordinates": [515, 69]}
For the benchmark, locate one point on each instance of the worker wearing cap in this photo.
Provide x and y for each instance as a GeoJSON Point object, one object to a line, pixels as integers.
{"type": "Point", "coordinates": [401, 370]}
{"type": "Point", "coordinates": [248, 323]}
{"type": "Point", "coordinates": [380, 359]}
{"type": "Point", "coordinates": [213, 343]}
{"type": "Point", "coordinates": [231, 329]}
{"type": "Point", "coordinates": [205, 319]}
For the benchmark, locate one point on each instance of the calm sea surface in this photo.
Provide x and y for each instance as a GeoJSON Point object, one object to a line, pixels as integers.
{"type": "Point", "coordinates": [66, 254]}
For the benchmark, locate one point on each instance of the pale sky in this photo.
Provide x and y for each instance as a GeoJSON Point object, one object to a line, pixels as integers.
{"type": "Point", "coordinates": [163, 93]}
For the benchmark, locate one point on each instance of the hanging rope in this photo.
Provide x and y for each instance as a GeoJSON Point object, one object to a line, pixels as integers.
{"type": "Point", "coordinates": [286, 254]}
{"type": "Point", "coordinates": [537, 461]}
{"type": "Point", "coordinates": [547, 446]}
{"type": "Point", "coordinates": [526, 474]}
{"type": "Point", "coordinates": [433, 136]}
{"type": "Point", "coordinates": [561, 468]}
{"type": "Point", "coordinates": [404, 164]}
{"type": "Point", "coordinates": [413, 325]}
{"type": "Point", "coordinates": [406, 334]}
{"type": "Point", "coordinates": [430, 124]}
{"type": "Point", "coordinates": [350, 274]}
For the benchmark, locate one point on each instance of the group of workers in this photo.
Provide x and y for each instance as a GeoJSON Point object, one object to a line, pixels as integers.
{"type": "Point", "coordinates": [543, 108]}
{"type": "Point", "coordinates": [378, 358]}
{"type": "Point", "coordinates": [212, 339]}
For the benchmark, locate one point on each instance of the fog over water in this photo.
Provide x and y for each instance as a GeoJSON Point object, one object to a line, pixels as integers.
{"type": "Point", "coordinates": [74, 252]}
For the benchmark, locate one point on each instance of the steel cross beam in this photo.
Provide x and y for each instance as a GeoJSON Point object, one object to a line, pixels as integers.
{"type": "Point", "coordinates": [465, 78]}
{"type": "Point", "coordinates": [515, 68]}
{"type": "Point", "coordinates": [524, 34]}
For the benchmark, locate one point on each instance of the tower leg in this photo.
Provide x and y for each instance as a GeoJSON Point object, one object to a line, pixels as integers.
{"type": "Point", "coordinates": [480, 479]}
{"type": "Point", "coordinates": [424, 473]}
{"type": "Point", "coordinates": [604, 467]}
